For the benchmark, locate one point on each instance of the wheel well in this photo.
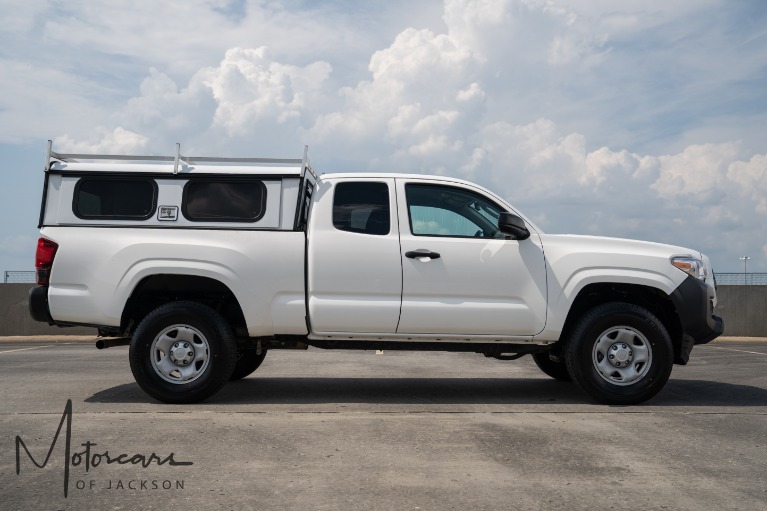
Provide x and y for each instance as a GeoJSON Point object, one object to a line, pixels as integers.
{"type": "Point", "coordinates": [157, 290]}
{"type": "Point", "coordinates": [652, 299]}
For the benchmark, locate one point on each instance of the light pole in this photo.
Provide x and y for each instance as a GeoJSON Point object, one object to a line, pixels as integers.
{"type": "Point", "coordinates": [745, 267]}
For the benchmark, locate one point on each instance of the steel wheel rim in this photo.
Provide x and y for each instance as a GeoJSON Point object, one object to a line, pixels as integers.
{"type": "Point", "coordinates": [180, 354]}
{"type": "Point", "coordinates": [622, 355]}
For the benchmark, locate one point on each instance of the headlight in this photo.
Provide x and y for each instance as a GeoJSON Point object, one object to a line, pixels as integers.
{"type": "Point", "coordinates": [691, 266]}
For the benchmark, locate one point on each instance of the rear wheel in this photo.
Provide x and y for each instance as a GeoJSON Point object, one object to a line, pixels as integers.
{"type": "Point", "coordinates": [182, 352]}
{"type": "Point", "coordinates": [619, 353]}
{"type": "Point", "coordinates": [247, 362]}
{"type": "Point", "coordinates": [555, 369]}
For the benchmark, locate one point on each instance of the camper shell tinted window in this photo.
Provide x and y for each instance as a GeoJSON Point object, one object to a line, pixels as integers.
{"type": "Point", "coordinates": [115, 198]}
{"type": "Point", "coordinates": [224, 200]}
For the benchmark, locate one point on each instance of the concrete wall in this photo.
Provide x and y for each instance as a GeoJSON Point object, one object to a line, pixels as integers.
{"type": "Point", "coordinates": [15, 318]}
{"type": "Point", "coordinates": [744, 309]}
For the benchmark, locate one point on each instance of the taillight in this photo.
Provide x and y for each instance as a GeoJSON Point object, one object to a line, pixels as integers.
{"type": "Point", "coordinates": [46, 251]}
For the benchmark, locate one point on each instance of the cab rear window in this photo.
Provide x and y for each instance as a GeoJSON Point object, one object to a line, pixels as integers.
{"type": "Point", "coordinates": [115, 198]}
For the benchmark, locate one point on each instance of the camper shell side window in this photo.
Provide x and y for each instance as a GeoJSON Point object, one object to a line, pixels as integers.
{"type": "Point", "coordinates": [115, 198]}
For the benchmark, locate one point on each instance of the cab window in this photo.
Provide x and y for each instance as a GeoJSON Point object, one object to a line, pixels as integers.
{"type": "Point", "coordinates": [362, 207]}
{"type": "Point", "coordinates": [437, 210]}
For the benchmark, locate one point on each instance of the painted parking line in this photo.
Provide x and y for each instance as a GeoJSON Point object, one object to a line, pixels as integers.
{"type": "Point", "coordinates": [739, 351]}
{"type": "Point", "coordinates": [33, 348]}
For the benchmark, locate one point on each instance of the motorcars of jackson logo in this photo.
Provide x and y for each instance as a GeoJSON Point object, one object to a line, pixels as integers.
{"type": "Point", "coordinates": [91, 457]}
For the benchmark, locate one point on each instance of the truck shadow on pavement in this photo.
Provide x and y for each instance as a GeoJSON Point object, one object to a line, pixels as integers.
{"type": "Point", "coordinates": [441, 391]}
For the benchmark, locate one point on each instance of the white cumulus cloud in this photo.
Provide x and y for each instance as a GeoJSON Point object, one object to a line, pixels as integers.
{"type": "Point", "coordinates": [249, 87]}
{"type": "Point", "coordinates": [117, 141]}
{"type": "Point", "coordinates": [638, 118]}
{"type": "Point", "coordinates": [751, 179]}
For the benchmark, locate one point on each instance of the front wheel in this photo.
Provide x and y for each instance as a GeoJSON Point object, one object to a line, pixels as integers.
{"type": "Point", "coordinates": [619, 353]}
{"type": "Point", "coordinates": [182, 352]}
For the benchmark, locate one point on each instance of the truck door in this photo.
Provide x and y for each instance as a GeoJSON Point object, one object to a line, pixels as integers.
{"type": "Point", "coordinates": [460, 275]}
{"type": "Point", "coordinates": [354, 281]}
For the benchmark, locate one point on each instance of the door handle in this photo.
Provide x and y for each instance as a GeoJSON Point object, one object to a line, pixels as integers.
{"type": "Point", "coordinates": [422, 252]}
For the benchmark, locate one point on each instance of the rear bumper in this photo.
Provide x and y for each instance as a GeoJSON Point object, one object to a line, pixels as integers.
{"type": "Point", "coordinates": [38, 305]}
{"type": "Point", "coordinates": [694, 304]}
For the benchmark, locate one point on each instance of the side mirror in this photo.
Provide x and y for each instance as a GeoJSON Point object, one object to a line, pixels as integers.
{"type": "Point", "coordinates": [515, 227]}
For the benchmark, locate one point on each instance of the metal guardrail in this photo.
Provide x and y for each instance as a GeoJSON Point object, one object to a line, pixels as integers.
{"type": "Point", "coordinates": [19, 277]}
{"type": "Point", "coordinates": [741, 279]}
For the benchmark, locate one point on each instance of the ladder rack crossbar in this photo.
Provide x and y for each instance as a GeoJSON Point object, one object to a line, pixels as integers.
{"type": "Point", "coordinates": [177, 159]}
{"type": "Point", "coordinates": [189, 160]}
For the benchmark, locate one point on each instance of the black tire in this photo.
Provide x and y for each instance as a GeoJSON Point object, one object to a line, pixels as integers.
{"type": "Point", "coordinates": [557, 370]}
{"type": "Point", "coordinates": [182, 352]}
{"type": "Point", "coordinates": [623, 334]}
{"type": "Point", "coordinates": [247, 362]}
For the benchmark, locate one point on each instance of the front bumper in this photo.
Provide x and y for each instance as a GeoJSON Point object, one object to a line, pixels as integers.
{"type": "Point", "coordinates": [695, 306]}
{"type": "Point", "coordinates": [38, 305]}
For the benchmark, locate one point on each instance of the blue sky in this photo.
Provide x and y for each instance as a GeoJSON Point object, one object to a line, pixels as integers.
{"type": "Point", "coordinates": [642, 119]}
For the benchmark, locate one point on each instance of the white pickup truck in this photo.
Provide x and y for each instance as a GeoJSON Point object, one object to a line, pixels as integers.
{"type": "Point", "coordinates": [203, 265]}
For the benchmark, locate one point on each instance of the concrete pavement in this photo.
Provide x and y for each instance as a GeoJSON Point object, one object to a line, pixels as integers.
{"type": "Point", "coordinates": [355, 430]}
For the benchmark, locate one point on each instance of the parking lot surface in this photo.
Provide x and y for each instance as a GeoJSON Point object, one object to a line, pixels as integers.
{"type": "Point", "coordinates": [356, 430]}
